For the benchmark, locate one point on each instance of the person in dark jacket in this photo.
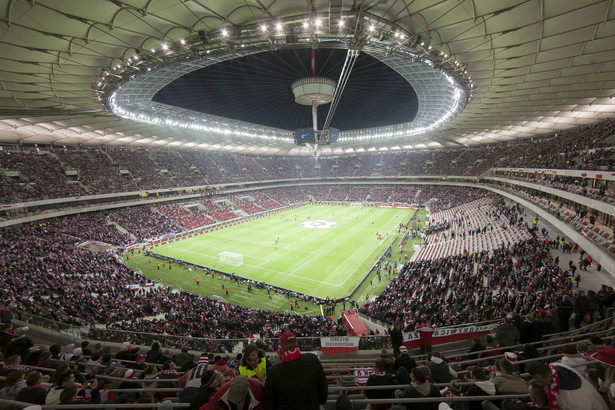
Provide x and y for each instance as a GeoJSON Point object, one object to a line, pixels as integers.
{"type": "Point", "coordinates": [404, 359]}
{"type": "Point", "coordinates": [529, 331]}
{"type": "Point", "coordinates": [581, 308]}
{"type": "Point", "coordinates": [397, 338]}
{"type": "Point", "coordinates": [155, 354]}
{"type": "Point", "coordinates": [418, 389]}
{"type": "Point", "coordinates": [380, 377]}
{"type": "Point", "coordinates": [564, 312]}
{"type": "Point", "coordinates": [507, 334]}
{"type": "Point", "coordinates": [298, 382]}
{"type": "Point", "coordinates": [33, 393]}
{"type": "Point", "coordinates": [440, 370]}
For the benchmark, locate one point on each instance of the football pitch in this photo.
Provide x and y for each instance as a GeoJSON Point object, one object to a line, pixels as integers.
{"type": "Point", "coordinates": [318, 250]}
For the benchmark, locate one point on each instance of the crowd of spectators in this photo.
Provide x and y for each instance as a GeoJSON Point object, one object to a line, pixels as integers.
{"type": "Point", "coordinates": [125, 169]}
{"type": "Point", "coordinates": [471, 287]}
{"type": "Point", "coordinates": [574, 185]}
{"type": "Point", "coordinates": [577, 219]}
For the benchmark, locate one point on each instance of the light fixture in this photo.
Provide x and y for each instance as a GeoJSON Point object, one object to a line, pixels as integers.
{"type": "Point", "coordinates": [224, 32]}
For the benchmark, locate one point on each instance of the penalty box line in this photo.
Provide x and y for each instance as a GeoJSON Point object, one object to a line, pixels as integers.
{"type": "Point", "coordinates": [270, 270]}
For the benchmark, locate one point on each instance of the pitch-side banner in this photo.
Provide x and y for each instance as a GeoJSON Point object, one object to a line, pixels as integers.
{"type": "Point", "coordinates": [339, 344]}
{"type": "Point", "coordinates": [449, 334]}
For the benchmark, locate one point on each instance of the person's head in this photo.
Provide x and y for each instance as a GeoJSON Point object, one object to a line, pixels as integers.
{"type": "Point", "coordinates": [168, 365]}
{"type": "Point", "coordinates": [65, 379]}
{"type": "Point", "coordinates": [288, 341]}
{"type": "Point", "coordinates": [211, 379]}
{"type": "Point", "coordinates": [13, 360]}
{"type": "Point", "coordinates": [34, 378]}
{"type": "Point", "coordinates": [504, 366]}
{"type": "Point", "coordinates": [62, 368]}
{"type": "Point", "coordinates": [95, 356]}
{"type": "Point", "coordinates": [541, 373]}
{"type": "Point", "coordinates": [45, 357]}
{"type": "Point", "coordinates": [155, 346]}
{"type": "Point", "coordinates": [68, 394]}
{"type": "Point", "coordinates": [379, 365]}
{"type": "Point", "coordinates": [250, 355]}
{"type": "Point", "coordinates": [150, 370]}
{"type": "Point", "coordinates": [417, 375]}
{"type": "Point", "coordinates": [403, 350]}
{"type": "Point", "coordinates": [596, 340]}
{"type": "Point", "coordinates": [476, 341]}
{"type": "Point", "coordinates": [570, 349]}
{"type": "Point", "coordinates": [435, 353]}
{"type": "Point", "coordinates": [238, 389]}
{"type": "Point", "coordinates": [106, 358]}
{"type": "Point", "coordinates": [15, 377]}
{"type": "Point", "coordinates": [478, 374]}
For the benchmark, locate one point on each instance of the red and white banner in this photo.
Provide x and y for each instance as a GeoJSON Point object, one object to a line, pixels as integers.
{"type": "Point", "coordinates": [362, 375]}
{"type": "Point", "coordinates": [449, 334]}
{"type": "Point", "coordinates": [136, 286]}
{"type": "Point", "coordinates": [339, 344]}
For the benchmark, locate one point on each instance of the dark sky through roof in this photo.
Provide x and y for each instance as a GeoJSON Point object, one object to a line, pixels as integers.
{"type": "Point", "coordinates": [257, 89]}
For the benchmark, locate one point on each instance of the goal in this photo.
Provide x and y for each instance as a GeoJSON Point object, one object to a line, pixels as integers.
{"type": "Point", "coordinates": [230, 258]}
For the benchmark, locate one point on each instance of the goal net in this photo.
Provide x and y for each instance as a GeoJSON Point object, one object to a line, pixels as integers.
{"type": "Point", "coordinates": [230, 258]}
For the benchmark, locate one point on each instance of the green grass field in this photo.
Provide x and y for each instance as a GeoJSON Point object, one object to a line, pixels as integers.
{"type": "Point", "coordinates": [329, 261]}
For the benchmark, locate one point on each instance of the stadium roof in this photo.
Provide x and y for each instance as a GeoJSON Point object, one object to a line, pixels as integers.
{"type": "Point", "coordinates": [521, 67]}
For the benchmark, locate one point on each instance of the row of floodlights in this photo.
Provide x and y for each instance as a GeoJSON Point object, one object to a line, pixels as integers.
{"type": "Point", "coordinates": [278, 28]}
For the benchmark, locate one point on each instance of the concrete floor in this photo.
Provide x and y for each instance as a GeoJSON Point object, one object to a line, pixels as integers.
{"type": "Point", "coordinates": [592, 279]}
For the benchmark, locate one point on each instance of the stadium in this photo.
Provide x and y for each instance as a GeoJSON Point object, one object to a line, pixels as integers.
{"type": "Point", "coordinates": [206, 177]}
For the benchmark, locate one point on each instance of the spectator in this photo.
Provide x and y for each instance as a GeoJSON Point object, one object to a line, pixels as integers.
{"type": "Point", "coordinates": [420, 387]}
{"type": "Point", "coordinates": [63, 381]}
{"type": "Point", "coordinates": [13, 384]}
{"type": "Point", "coordinates": [380, 377]}
{"type": "Point", "coordinates": [405, 360]}
{"type": "Point", "coordinates": [481, 387]}
{"type": "Point", "coordinates": [209, 382]}
{"type": "Point", "coordinates": [573, 359]}
{"type": "Point", "coordinates": [20, 344]}
{"type": "Point", "coordinates": [581, 308]}
{"type": "Point", "coordinates": [71, 395]}
{"type": "Point", "coordinates": [606, 356]}
{"type": "Point", "coordinates": [506, 380]}
{"type": "Point", "coordinates": [507, 334]}
{"type": "Point", "coordinates": [34, 392]}
{"type": "Point", "coordinates": [440, 371]}
{"type": "Point", "coordinates": [253, 362]}
{"type": "Point", "coordinates": [298, 381]}
{"type": "Point", "coordinates": [426, 335]}
{"type": "Point", "coordinates": [240, 393]}
{"type": "Point", "coordinates": [397, 338]}
{"type": "Point", "coordinates": [155, 354]}
{"type": "Point", "coordinates": [565, 388]}
{"type": "Point", "coordinates": [565, 308]}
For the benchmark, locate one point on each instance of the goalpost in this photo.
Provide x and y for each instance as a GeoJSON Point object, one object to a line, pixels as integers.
{"type": "Point", "coordinates": [230, 258]}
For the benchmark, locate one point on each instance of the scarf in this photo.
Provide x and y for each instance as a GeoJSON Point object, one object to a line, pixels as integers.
{"type": "Point", "coordinates": [553, 390]}
{"type": "Point", "coordinates": [290, 355]}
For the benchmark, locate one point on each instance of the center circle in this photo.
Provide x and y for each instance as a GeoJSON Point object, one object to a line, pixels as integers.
{"type": "Point", "coordinates": [318, 224]}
